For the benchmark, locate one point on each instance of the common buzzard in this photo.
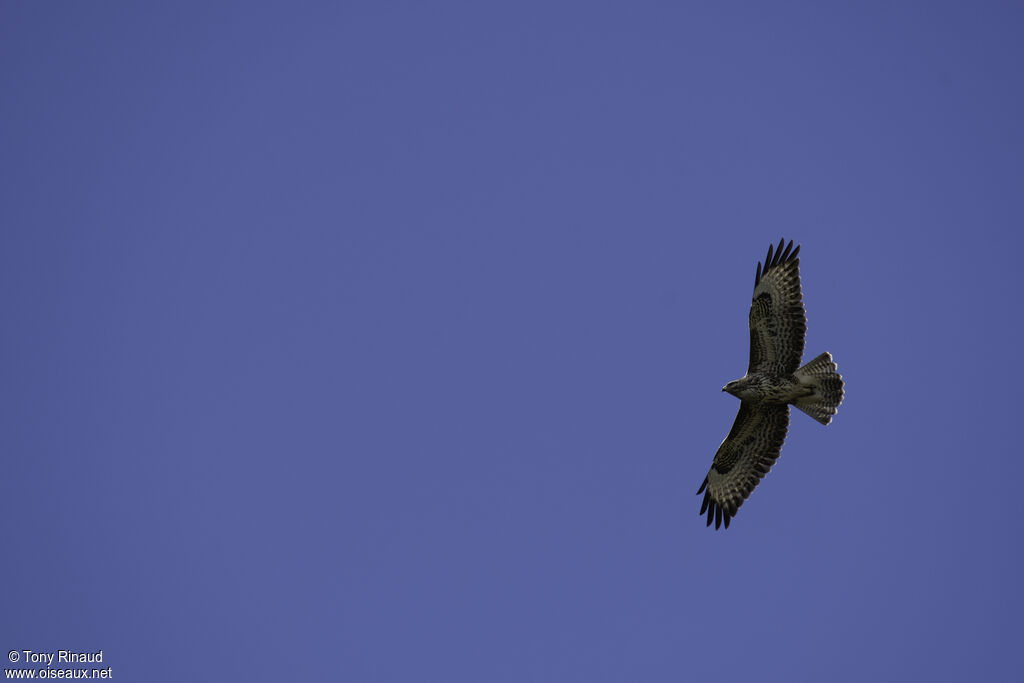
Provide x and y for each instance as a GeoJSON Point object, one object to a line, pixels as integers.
{"type": "Point", "coordinates": [773, 382]}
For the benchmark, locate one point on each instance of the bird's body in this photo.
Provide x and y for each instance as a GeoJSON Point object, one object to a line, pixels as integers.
{"type": "Point", "coordinates": [762, 388]}
{"type": "Point", "coordinates": [773, 382]}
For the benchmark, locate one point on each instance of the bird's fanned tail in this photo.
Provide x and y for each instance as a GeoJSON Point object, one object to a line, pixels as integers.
{"type": "Point", "coordinates": [822, 375]}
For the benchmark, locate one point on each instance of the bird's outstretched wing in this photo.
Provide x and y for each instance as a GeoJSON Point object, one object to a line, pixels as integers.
{"type": "Point", "coordinates": [777, 321]}
{"type": "Point", "coordinates": [744, 457]}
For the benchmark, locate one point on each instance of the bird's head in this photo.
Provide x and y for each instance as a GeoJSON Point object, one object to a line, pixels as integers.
{"type": "Point", "coordinates": [736, 387]}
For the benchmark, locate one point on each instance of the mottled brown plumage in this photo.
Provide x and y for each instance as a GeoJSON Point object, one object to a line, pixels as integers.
{"type": "Point", "coordinates": [773, 382]}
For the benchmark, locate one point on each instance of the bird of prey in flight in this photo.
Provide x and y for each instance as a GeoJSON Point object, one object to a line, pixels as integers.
{"type": "Point", "coordinates": [773, 382]}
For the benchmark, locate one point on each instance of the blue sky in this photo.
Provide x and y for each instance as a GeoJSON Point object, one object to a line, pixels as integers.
{"type": "Point", "coordinates": [385, 342]}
